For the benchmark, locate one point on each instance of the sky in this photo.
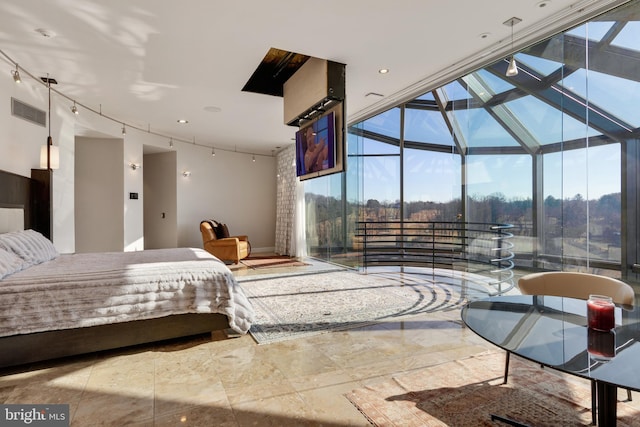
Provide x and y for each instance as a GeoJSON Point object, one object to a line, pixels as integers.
{"type": "Point", "coordinates": [435, 177]}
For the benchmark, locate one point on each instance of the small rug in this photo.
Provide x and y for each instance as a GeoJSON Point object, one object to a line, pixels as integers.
{"type": "Point", "coordinates": [467, 392]}
{"type": "Point", "coordinates": [299, 306]}
{"type": "Point", "coordinates": [271, 262]}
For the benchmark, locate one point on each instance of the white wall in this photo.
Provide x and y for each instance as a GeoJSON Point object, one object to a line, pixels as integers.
{"type": "Point", "coordinates": [229, 187]}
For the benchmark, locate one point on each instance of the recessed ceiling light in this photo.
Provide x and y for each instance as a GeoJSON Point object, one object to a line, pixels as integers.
{"type": "Point", "coordinates": [383, 70]}
{"type": "Point", "coordinates": [183, 121]}
{"type": "Point", "coordinates": [544, 3]}
{"type": "Point", "coordinates": [484, 35]}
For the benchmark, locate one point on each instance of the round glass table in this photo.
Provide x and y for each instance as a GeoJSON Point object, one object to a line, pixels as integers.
{"type": "Point", "coordinates": [553, 331]}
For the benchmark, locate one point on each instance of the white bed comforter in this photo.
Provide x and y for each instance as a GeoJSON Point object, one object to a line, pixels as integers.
{"type": "Point", "coordinates": [91, 289]}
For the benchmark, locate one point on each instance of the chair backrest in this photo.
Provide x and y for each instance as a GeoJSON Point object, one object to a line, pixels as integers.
{"type": "Point", "coordinates": [207, 231]}
{"type": "Point", "coordinates": [576, 285]}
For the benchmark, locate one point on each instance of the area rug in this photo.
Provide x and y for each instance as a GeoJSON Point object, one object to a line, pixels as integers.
{"type": "Point", "coordinates": [299, 306]}
{"type": "Point", "coordinates": [272, 262]}
{"type": "Point", "coordinates": [467, 392]}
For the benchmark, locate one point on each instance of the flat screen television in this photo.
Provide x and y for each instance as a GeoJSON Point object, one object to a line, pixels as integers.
{"type": "Point", "coordinates": [315, 146]}
{"type": "Point", "coordinates": [319, 146]}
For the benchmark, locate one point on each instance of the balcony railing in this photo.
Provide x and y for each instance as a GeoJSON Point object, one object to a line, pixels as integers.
{"type": "Point", "coordinates": [479, 248]}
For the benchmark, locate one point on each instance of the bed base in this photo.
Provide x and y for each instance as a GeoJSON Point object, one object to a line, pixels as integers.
{"type": "Point", "coordinates": [44, 346]}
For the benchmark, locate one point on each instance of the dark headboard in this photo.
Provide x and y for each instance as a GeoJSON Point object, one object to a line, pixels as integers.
{"type": "Point", "coordinates": [15, 190]}
{"type": "Point", "coordinates": [34, 194]}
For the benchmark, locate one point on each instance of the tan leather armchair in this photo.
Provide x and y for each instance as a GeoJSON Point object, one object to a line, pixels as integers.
{"type": "Point", "coordinates": [232, 248]}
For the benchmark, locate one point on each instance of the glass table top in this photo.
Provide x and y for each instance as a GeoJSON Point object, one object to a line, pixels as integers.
{"type": "Point", "coordinates": [553, 331]}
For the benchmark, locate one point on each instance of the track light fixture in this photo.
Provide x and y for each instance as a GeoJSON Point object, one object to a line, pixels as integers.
{"type": "Point", "coordinates": [512, 69]}
{"type": "Point", "coordinates": [50, 152]}
{"type": "Point", "coordinates": [16, 75]}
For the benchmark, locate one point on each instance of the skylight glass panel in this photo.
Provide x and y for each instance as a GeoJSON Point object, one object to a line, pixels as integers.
{"type": "Point", "coordinates": [595, 30]}
{"type": "Point", "coordinates": [386, 123]}
{"type": "Point", "coordinates": [547, 124]}
{"type": "Point", "coordinates": [629, 36]}
{"type": "Point", "coordinates": [541, 65]}
{"type": "Point", "coordinates": [455, 91]}
{"type": "Point", "coordinates": [482, 130]}
{"type": "Point", "coordinates": [427, 97]}
{"type": "Point", "coordinates": [495, 83]}
{"type": "Point", "coordinates": [426, 126]}
{"type": "Point", "coordinates": [619, 97]}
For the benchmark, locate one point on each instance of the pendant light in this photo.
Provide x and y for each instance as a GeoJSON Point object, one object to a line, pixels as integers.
{"type": "Point", "coordinates": [512, 69]}
{"type": "Point", "coordinates": [49, 154]}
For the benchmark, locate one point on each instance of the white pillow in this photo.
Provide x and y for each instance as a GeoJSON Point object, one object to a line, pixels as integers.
{"type": "Point", "coordinates": [9, 263]}
{"type": "Point", "coordinates": [29, 245]}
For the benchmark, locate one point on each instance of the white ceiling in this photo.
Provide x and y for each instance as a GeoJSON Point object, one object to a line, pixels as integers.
{"type": "Point", "coordinates": [149, 63]}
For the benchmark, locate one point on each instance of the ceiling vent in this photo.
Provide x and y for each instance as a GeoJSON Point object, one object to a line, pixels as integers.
{"type": "Point", "coordinates": [29, 113]}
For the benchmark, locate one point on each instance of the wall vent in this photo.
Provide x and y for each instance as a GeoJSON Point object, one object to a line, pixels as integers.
{"type": "Point", "coordinates": [29, 113]}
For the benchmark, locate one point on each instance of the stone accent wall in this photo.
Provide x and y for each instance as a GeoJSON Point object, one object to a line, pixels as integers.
{"type": "Point", "coordinates": [286, 200]}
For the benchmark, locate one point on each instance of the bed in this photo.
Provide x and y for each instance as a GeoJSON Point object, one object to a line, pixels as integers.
{"type": "Point", "coordinates": [55, 305]}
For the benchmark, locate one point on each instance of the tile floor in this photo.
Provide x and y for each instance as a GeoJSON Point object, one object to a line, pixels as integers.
{"type": "Point", "coordinates": [215, 381]}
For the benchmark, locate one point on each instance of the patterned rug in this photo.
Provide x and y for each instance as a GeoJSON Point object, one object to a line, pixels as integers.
{"type": "Point", "coordinates": [299, 306]}
{"type": "Point", "coordinates": [467, 392]}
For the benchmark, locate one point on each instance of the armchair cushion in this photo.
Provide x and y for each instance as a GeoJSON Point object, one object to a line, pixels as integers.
{"type": "Point", "coordinates": [220, 230]}
{"type": "Point", "coordinates": [224, 231]}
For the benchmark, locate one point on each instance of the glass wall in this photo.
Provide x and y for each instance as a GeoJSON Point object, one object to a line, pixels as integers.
{"type": "Point", "coordinates": [552, 150]}
{"type": "Point", "coordinates": [325, 217]}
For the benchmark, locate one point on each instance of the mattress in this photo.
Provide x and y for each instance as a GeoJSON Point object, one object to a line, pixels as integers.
{"type": "Point", "coordinates": [89, 289]}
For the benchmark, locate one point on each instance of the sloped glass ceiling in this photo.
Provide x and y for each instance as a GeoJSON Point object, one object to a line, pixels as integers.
{"type": "Point", "coordinates": [550, 150]}
{"type": "Point", "coordinates": [545, 104]}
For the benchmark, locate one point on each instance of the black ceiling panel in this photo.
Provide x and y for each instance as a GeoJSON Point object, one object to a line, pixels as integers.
{"type": "Point", "coordinates": [274, 70]}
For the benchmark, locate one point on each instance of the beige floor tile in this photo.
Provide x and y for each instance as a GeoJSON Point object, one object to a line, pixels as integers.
{"type": "Point", "coordinates": [281, 410]}
{"type": "Point", "coordinates": [181, 396]}
{"type": "Point", "coordinates": [211, 380]}
{"type": "Point", "coordinates": [112, 409]}
{"type": "Point", "coordinates": [322, 380]}
{"type": "Point", "coordinates": [199, 417]}
{"type": "Point", "coordinates": [330, 406]}
{"type": "Point", "coordinates": [254, 392]}
{"type": "Point", "coordinates": [297, 359]}
{"type": "Point", "coordinates": [134, 376]}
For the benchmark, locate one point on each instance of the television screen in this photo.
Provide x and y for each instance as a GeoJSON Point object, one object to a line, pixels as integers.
{"type": "Point", "coordinates": [316, 146]}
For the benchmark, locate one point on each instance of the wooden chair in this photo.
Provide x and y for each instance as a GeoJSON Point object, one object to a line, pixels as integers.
{"type": "Point", "coordinates": [580, 286]}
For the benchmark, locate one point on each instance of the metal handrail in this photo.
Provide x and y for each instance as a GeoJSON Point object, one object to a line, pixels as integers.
{"type": "Point", "coordinates": [479, 247]}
